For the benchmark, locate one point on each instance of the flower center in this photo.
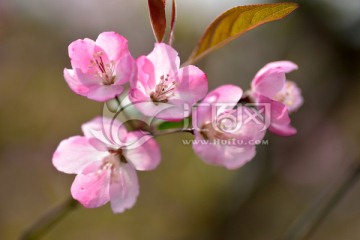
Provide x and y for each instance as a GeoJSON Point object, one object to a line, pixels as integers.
{"type": "Point", "coordinates": [286, 95]}
{"type": "Point", "coordinates": [208, 132]}
{"type": "Point", "coordinates": [112, 162]}
{"type": "Point", "coordinates": [163, 90]}
{"type": "Point", "coordinates": [105, 71]}
{"type": "Point", "coordinates": [118, 153]}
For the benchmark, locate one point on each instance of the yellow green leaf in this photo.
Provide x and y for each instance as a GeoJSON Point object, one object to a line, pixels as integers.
{"type": "Point", "coordinates": [235, 22]}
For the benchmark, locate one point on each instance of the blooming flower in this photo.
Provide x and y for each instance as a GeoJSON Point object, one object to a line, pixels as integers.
{"type": "Point", "coordinates": [100, 68]}
{"type": "Point", "coordinates": [105, 159]}
{"type": "Point", "coordinates": [161, 82]}
{"type": "Point", "coordinates": [223, 134]}
{"type": "Point", "coordinates": [270, 86]}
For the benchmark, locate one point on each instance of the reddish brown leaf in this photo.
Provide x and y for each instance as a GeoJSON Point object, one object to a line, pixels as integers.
{"type": "Point", "coordinates": [173, 20]}
{"type": "Point", "coordinates": [158, 18]}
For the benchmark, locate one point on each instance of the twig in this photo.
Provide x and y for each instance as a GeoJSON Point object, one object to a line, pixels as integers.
{"type": "Point", "coordinates": [306, 224]}
{"type": "Point", "coordinates": [49, 220]}
{"type": "Point", "coordinates": [167, 132]}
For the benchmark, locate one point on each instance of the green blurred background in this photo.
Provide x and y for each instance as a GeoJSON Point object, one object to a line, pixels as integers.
{"type": "Point", "coordinates": [184, 198]}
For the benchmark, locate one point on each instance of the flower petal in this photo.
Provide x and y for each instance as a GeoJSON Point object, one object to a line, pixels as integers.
{"type": "Point", "coordinates": [143, 151]}
{"type": "Point", "coordinates": [125, 69]}
{"type": "Point", "coordinates": [138, 94]}
{"type": "Point", "coordinates": [88, 79]}
{"type": "Point", "coordinates": [103, 93]}
{"type": "Point", "coordinates": [124, 188]}
{"type": "Point", "coordinates": [81, 53]}
{"type": "Point", "coordinates": [253, 128]}
{"type": "Point", "coordinates": [146, 75]}
{"type": "Point", "coordinates": [271, 78]}
{"type": "Point", "coordinates": [174, 110]}
{"type": "Point", "coordinates": [114, 45]}
{"type": "Point", "coordinates": [227, 95]}
{"type": "Point", "coordinates": [111, 133]}
{"type": "Point", "coordinates": [224, 94]}
{"type": "Point", "coordinates": [282, 130]}
{"type": "Point", "coordinates": [141, 87]}
{"type": "Point", "coordinates": [193, 84]}
{"type": "Point", "coordinates": [280, 120]}
{"type": "Point", "coordinates": [74, 83]}
{"type": "Point", "coordinates": [74, 153]}
{"type": "Point", "coordinates": [229, 156]}
{"type": "Point", "coordinates": [92, 189]}
{"type": "Point", "coordinates": [166, 111]}
{"type": "Point", "coordinates": [165, 60]}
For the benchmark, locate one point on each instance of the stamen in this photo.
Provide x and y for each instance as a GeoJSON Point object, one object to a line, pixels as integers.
{"type": "Point", "coordinates": [104, 71]}
{"type": "Point", "coordinates": [163, 90]}
{"type": "Point", "coordinates": [285, 95]}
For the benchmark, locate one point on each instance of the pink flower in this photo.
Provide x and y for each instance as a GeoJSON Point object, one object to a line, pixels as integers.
{"type": "Point", "coordinates": [100, 68]}
{"type": "Point", "coordinates": [224, 135]}
{"type": "Point", "coordinates": [105, 159]}
{"type": "Point", "coordinates": [161, 82]}
{"type": "Point", "coordinates": [270, 86]}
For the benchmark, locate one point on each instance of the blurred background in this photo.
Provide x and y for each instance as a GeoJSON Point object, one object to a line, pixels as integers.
{"type": "Point", "coordinates": [184, 198]}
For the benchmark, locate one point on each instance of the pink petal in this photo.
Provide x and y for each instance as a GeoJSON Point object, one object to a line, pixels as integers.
{"type": "Point", "coordinates": [271, 78]}
{"type": "Point", "coordinates": [98, 145]}
{"type": "Point", "coordinates": [141, 86]}
{"type": "Point", "coordinates": [111, 133]}
{"type": "Point", "coordinates": [236, 157]}
{"type": "Point", "coordinates": [74, 153]}
{"type": "Point", "coordinates": [146, 75]}
{"type": "Point", "coordinates": [124, 188]}
{"type": "Point", "coordinates": [138, 95]}
{"type": "Point", "coordinates": [74, 83]}
{"type": "Point", "coordinates": [145, 155]}
{"type": "Point", "coordinates": [193, 84]}
{"type": "Point", "coordinates": [171, 111]}
{"type": "Point", "coordinates": [125, 69]}
{"type": "Point", "coordinates": [280, 120]}
{"type": "Point", "coordinates": [91, 188]}
{"type": "Point", "coordinates": [88, 79]}
{"type": "Point", "coordinates": [103, 93]}
{"type": "Point", "coordinates": [251, 129]}
{"type": "Point", "coordinates": [92, 126]}
{"type": "Point", "coordinates": [229, 156]}
{"type": "Point", "coordinates": [113, 44]}
{"type": "Point", "coordinates": [81, 53]}
{"type": "Point", "coordinates": [224, 94]}
{"type": "Point", "coordinates": [227, 94]}
{"type": "Point", "coordinates": [165, 60]}
{"type": "Point", "coordinates": [282, 130]}
{"type": "Point", "coordinates": [174, 110]}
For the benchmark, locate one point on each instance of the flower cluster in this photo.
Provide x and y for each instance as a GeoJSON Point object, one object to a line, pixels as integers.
{"type": "Point", "coordinates": [107, 156]}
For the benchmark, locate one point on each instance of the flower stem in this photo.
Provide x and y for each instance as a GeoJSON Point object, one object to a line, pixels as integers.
{"type": "Point", "coordinates": [49, 220]}
{"type": "Point", "coordinates": [167, 132]}
{"type": "Point", "coordinates": [306, 224]}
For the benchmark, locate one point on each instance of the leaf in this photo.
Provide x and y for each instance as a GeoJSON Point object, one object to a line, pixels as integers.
{"type": "Point", "coordinates": [170, 125]}
{"type": "Point", "coordinates": [158, 18]}
{"type": "Point", "coordinates": [173, 20]}
{"type": "Point", "coordinates": [237, 21]}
